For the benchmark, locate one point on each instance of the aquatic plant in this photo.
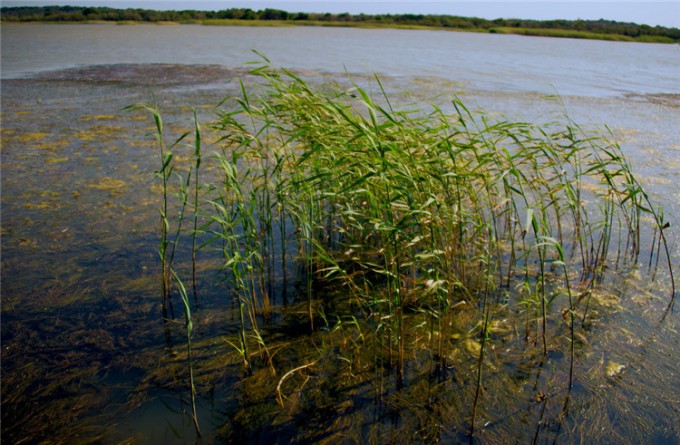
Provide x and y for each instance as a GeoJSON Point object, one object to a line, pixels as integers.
{"type": "Point", "coordinates": [166, 248]}
{"type": "Point", "coordinates": [197, 167]}
{"type": "Point", "coordinates": [413, 212]}
{"type": "Point", "coordinates": [189, 327]}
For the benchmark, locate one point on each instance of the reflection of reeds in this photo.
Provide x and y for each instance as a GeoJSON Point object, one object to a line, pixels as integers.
{"type": "Point", "coordinates": [410, 211]}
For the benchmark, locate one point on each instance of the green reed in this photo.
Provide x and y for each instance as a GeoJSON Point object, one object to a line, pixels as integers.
{"type": "Point", "coordinates": [167, 246]}
{"type": "Point", "coordinates": [169, 242]}
{"type": "Point", "coordinates": [165, 172]}
{"type": "Point", "coordinates": [197, 168]}
{"type": "Point", "coordinates": [412, 211]}
{"type": "Point", "coordinates": [189, 327]}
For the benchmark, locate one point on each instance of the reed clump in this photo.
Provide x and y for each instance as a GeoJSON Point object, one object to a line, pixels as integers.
{"type": "Point", "coordinates": [418, 211]}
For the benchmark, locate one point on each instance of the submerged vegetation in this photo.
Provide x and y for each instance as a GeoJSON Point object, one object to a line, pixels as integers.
{"type": "Point", "coordinates": [583, 29]}
{"type": "Point", "coordinates": [429, 263]}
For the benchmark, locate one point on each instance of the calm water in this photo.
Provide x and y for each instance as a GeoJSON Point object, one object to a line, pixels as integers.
{"type": "Point", "coordinates": [84, 352]}
{"type": "Point", "coordinates": [478, 61]}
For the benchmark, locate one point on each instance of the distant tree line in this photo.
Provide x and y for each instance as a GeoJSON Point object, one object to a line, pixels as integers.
{"type": "Point", "coordinates": [77, 14]}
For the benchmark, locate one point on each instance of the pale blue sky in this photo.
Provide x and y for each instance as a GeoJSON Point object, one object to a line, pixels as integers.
{"type": "Point", "coordinates": [650, 12]}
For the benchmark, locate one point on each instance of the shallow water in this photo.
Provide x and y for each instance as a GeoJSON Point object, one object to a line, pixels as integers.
{"type": "Point", "coordinates": [87, 357]}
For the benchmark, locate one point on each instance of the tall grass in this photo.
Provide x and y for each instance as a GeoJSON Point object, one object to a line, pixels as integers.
{"type": "Point", "coordinates": [197, 168]}
{"type": "Point", "coordinates": [415, 211]}
{"type": "Point", "coordinates": [189, 327]}
{"type": "Point", "coordinates": [168, 241]}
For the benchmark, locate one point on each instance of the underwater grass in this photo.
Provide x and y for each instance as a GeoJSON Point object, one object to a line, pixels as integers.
{"type": "Point", "coordinates": [413, 212]}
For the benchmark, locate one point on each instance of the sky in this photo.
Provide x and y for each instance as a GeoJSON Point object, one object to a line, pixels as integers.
{"type": "Point", "coordinates": [643, 12]}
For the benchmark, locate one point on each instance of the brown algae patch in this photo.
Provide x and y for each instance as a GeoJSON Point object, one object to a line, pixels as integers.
{"type": "Point", "coordinates": [100, 117]}
{"type": "Point", "coordinates": [32, 137]}
{"type": "Point", "coordinates": [56, 160]}
{"type": "Point", "coordinates": [98, 132]}
{"type": "Point", "coordinates": [111, 185]}
{"type": "Point", "coordinates": [627, 134]}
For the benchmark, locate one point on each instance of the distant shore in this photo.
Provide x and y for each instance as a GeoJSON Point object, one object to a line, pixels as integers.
{"type": "Point", "coordinates": [532, 32]}
{"type": "Point", "coordinates": [574, 29]}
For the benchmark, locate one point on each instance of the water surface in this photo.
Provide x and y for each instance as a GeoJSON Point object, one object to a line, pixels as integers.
{"type": "Point", "coordinates": [85, 354]}
{"type": "Point", "coordinates": [478, 61]}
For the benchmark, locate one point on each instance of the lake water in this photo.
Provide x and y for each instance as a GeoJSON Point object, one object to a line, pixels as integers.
{"type": "Point", "coordinates": [477, 61]}
{"type": "Point", "coordinates": [84, 352]}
